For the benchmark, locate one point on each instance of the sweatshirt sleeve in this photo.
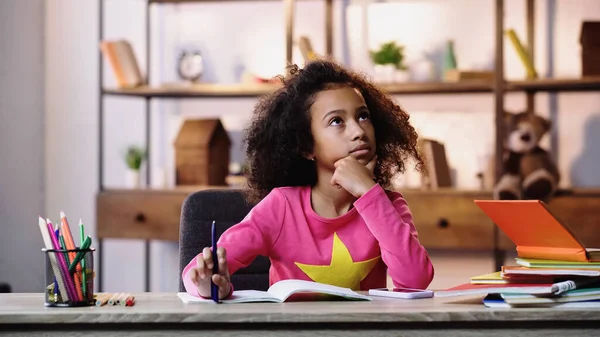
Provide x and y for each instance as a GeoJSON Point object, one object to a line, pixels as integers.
{"type": "Point", "coordinates": [391, 222]}
{"type": "Point", "coordinates": [252, 237]}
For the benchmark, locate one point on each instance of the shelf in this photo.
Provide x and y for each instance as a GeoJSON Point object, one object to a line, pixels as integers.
{"type": "Point", "coordinates": [196, 90]}
{"type": "Point", "coordinates": [546, 85]}
{"type": "Point", "coordinates": [253, 90]}
{"type": "Point", "coordinates": [438, 87]}
{"type": "Point", "coordinates": [191, 1]}
{"type": "Point", "coordinates": [556, 84]}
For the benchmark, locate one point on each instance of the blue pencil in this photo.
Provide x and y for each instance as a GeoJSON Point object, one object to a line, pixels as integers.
{"type": "Point", "coordinates": [214, 289]}
{"type": "Point", "coordinates": [56, 292]}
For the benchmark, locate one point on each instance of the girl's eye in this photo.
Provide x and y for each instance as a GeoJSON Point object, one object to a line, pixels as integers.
{"type": "Point", "coordinates": [364, 116]}
{"type": "Point", "coordinates": [335, 121]}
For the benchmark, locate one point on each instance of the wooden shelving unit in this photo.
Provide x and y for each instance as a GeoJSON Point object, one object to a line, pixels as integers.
{"type": "Point", "coordinates": [255, 90]}
{"type": "Point", "coordinates": [191, 1]}
{"type": "Point", "coordinates": [197, 90]}
{"type": "Point", "coordinates": [445, 219]}
{"type": "Point", "coordinates": [174, 92]}
{"type": "Point", "coordinates": [556, 85]}
{"type": "Point", "coordinates": [438, 88]}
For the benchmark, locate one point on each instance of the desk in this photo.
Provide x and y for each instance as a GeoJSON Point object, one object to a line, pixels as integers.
{"type": "Point", "coordinates": [163, 314]}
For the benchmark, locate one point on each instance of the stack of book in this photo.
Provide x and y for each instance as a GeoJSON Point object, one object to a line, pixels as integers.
{"type": "Point", "coordinates": [553, 267]}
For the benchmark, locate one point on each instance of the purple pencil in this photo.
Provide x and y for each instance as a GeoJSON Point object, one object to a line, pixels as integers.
{"type": "Point", "coordinates": [63, 265]}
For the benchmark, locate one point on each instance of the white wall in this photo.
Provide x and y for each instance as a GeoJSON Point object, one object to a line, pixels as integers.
{"type": "Point", "coordinates": [21, 143]}
{"type": "Point", "coordinates": [71, 110]}
{"type": "Point", "coordinates": [257, 40]}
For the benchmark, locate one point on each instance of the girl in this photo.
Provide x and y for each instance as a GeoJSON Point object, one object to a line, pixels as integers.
{"type": "Point", "coordinates": [320, 151]}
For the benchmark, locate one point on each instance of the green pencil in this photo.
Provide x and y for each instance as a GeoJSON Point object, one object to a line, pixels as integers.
{"type": "Point", "coordinates": [81, 241]}
{"type": "Point", "coordinates": [64, 247]}
{"type": "Point", "coordinates": [86, 244]}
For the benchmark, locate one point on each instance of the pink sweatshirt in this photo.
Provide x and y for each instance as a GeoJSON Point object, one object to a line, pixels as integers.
{"type": "Point", "coordinates": [353, 250]}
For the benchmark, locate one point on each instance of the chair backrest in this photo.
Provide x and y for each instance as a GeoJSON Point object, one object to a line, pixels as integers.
{"type": "Point", "coordinates": [5, 288]}
{"type": "Point", "coordinates": [226, 207]}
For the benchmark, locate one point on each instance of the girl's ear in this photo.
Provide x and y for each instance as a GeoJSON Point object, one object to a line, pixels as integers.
{"type": "Point", "coordinates": [309, 156]}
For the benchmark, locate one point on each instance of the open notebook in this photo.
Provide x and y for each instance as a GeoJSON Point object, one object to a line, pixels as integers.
{"type": "Point", "coordinates": [536, 232]}
{"type": "Point", "coordinates": [282, 291]}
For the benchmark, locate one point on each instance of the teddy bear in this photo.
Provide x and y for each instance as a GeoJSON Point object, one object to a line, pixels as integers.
{"type": "Point", "coordinates": [528, 169]}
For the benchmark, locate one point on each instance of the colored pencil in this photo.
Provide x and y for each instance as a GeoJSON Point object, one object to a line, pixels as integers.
{"type": "Point", "coordinates": [86, 244]}
{"type": "Point", "coordinates": [130, 301]}
{"type": "Point", "coordinates": [113, 299]}
{"type": "Point", "coordinates": [83, 275]}
{"type": "Point", "coordinates": [53, 261]}
{"type": "Point", "coordinates": [122, 300]}
{"type": "Point", "coordinates": [62, 265]}
{"type": "Point", "coordinates": [102, 299]}
{"type": "Point", "coordinates": [66, 241]}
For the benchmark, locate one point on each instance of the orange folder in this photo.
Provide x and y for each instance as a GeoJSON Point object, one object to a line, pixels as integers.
{"type": "Point", "coordinates": [536, 232]}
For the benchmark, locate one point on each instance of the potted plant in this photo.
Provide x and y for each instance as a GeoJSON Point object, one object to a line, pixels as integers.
{"type": "Point", "coordinates": [134, 158]}
{"type": "Point", "coordinates": [388, 62]}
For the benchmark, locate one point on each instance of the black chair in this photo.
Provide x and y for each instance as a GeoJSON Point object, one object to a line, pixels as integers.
{"type": "Point", "coordinates": [226, 208]}
{"type": "Point", "coordinates": [5, 288]}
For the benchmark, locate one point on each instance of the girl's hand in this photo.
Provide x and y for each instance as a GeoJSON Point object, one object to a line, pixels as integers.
{"type": "Point", "coordinates": [353, 176]}
{"type": "Point", "coordinates": [202, 274]}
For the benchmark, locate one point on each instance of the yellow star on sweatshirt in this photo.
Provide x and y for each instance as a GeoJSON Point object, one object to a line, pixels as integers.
{"type": "Point", "coordinates": [342, 271]}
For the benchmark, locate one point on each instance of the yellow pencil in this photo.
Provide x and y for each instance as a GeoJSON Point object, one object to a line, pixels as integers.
{"type": "Point", "coordinates": [102, 299]}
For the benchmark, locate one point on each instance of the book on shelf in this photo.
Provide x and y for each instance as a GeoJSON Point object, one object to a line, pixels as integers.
{"type": "Point", "coordinates": [306, 49]}
{"type": "Point", "coordinates": [122, 61]}
{"type": "Point", "coordinates": [457, 75]}
{"type": "Point", "coordinates": [537, 233]}
{"type": "Point", "coordinates": [522, 53]}
{"type": "Point", "coordinates": [438, 171]}
{"type": "Point", "coordinates": [283, 291]}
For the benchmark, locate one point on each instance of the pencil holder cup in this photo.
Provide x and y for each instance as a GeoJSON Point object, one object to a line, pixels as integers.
{"type": "Point", "coordinates": [69, 277]}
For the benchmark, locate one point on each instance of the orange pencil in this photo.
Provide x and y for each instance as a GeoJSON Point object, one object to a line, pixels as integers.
{"type": "Point", "coordinates": [77, 279]}
{"type": "Point", "coordinates": [66, 232]}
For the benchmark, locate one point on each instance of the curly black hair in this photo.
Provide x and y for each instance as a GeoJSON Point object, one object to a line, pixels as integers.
{"type": "Point", "coordinates": [280, 133]}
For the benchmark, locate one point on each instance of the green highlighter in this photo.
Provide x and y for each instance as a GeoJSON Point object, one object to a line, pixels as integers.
{"type": "Point", "coordinates": [84, 274]}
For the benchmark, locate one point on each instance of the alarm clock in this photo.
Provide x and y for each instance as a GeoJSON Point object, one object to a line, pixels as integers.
{"type": "Point", "coordinates": [190, 66]}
